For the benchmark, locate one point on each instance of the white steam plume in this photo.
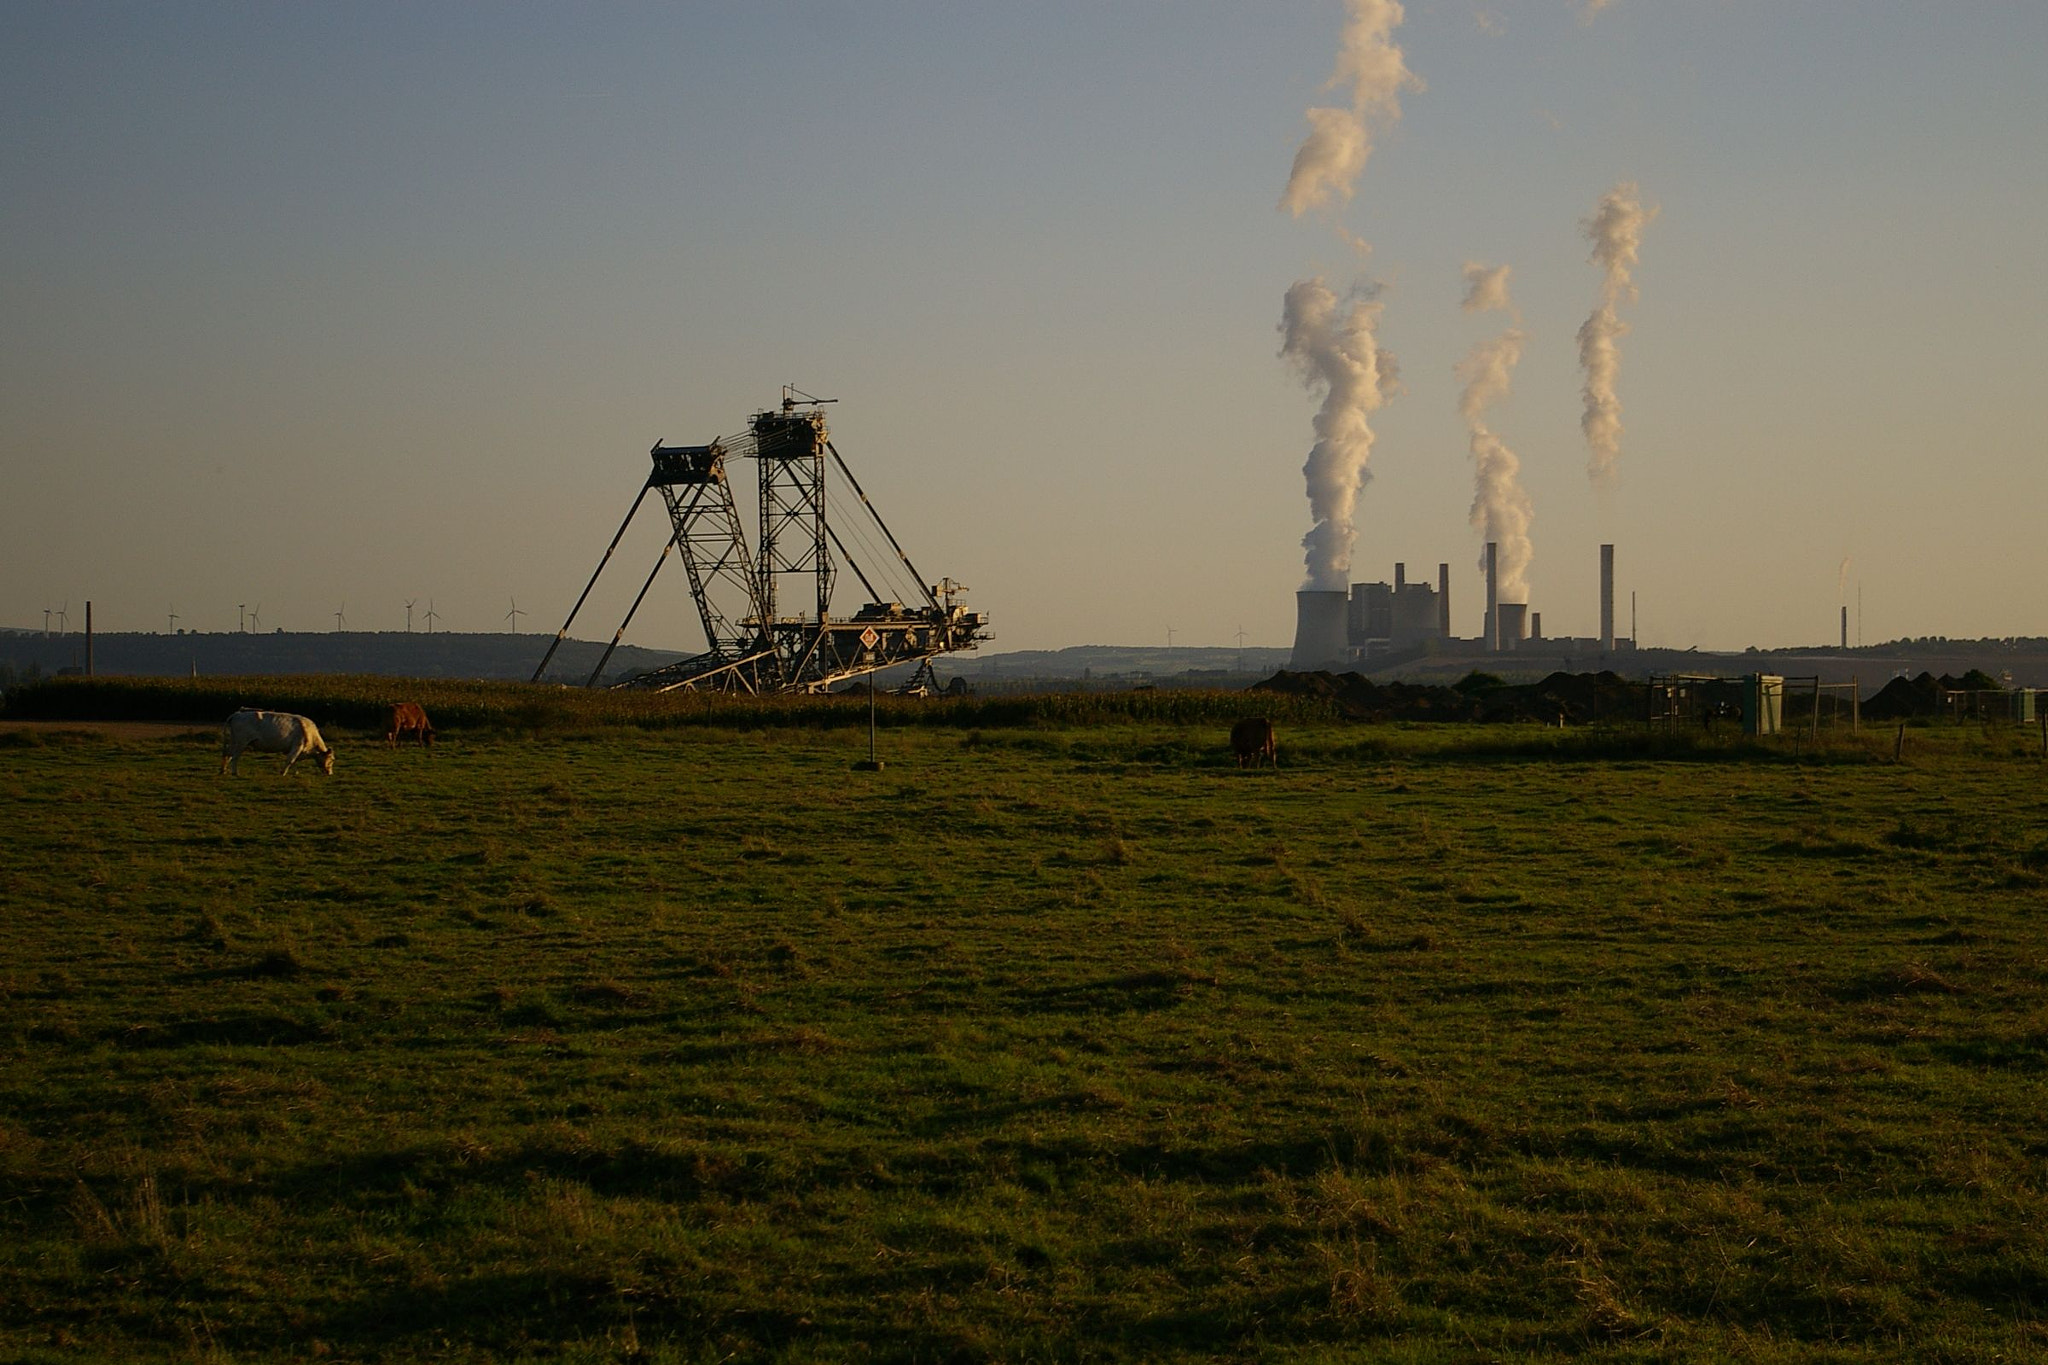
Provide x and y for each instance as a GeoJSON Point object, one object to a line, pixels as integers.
{"type": "Point", "coordinates": [1501, 509]}
{"type": "Point", "coordinates": [1327, 165]}
{"type": "Point", "coordinates": [1486, 286]}
{"type": "Point", "coordinates": [1616, 231]}
{"type": "Point", "coordinates": [1332, 342]}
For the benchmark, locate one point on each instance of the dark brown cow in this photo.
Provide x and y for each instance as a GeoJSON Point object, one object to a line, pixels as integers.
{"type": "Point", "coordinates": [1251, 739]}
{"type": "Point", "coordinates": [408, 719]}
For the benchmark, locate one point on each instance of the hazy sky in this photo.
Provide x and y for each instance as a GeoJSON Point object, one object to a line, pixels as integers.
{"type": "Point", "coordinates": [312, 305]}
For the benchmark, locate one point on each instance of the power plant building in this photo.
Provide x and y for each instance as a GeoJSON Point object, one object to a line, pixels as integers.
{"type": "Point", "coordinates": [1393, 616]}
{"type": "Point", "coordinates": [1336, 630]}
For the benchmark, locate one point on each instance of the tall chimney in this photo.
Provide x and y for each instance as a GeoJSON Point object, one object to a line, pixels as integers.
{"type": "Point", "coordinates": [88, 634]}
{"type": "Point", "coordinates": [1535, 625]}
{"type": "Point", "coordinates": [1607, 599]}
{"type": "Point", "coordinates": [1400, 578]}
{"type": "Point", "coordinates": [1845, 625]}
{"type": "Point", "coordinates": [1443, 600]}
{"type": "Point", "coordinates": [1492, 597]}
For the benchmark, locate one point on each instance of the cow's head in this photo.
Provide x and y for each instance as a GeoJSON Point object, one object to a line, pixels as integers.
{"type": "Point", "coordinates": [327, 762]}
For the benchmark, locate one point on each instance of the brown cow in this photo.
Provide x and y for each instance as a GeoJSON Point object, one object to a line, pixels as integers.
{"type": "Point", "coordinates": [408, 719]}
{"type": "Point", "coordinates": [1251, 739]}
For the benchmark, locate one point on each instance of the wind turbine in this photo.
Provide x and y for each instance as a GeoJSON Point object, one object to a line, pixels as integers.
{"type": "Point", "coordinates": [408, 613]}
{"type": "Point", "coordinates": [514, 614]}
{"type": "Point", "coordinates": [174, 618]}
{"type": "Point", "coordinates": [256, 618]}
{"type": "Point", "coordinates": [241, 618]}
{"type": "Point", "coordinates": [431, 615]}
{"type": "Point", "coordinates": [341, 616]}
{"type": "Point", "coordinates": [64, 618]}
{"type": "Point", "coordinates": [47, 614]}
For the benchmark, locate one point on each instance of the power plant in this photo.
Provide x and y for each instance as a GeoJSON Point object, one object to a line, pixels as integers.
{"type": "Point", "coordinates": [1401, 619]}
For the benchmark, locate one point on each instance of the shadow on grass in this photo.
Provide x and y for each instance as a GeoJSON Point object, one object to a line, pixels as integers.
{"type": "Point", "coordinates": [232, 1030]}
{"type": "Point", "coordinates": [1156, 990]}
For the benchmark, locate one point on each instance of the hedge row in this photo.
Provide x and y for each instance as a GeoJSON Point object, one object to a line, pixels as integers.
{"type": "Point", "coordinates": [360, 702]}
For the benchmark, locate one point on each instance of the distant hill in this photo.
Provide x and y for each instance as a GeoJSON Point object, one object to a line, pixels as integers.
{"type": "Point", "coordinates": [1871, 666]}
{"type": "Point", "coordinates": [452, 654]}
{"type": "Point", "coordinates": [394, 654]}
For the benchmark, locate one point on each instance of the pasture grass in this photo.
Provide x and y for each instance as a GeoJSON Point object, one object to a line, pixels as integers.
{"type": "Point", "coordinates": [1040, 1044]}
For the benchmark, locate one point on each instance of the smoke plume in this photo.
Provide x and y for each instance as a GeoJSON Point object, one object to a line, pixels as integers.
{"type": "Point", "coordinates": [1616, 231]}
{"type": "Point", "coordinates": [1333, 343]}
{"type": "Point", "coordinates": [1501, 509]}
{"type": "Point", "coordinates": [1327, 165]}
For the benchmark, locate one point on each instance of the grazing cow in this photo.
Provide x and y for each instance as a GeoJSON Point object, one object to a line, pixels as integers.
{"type": "Point", "coordinates": [408, 719]}
{"type": "Point", "coordinates": [1251, 739]}
{"type": "Point", "coordinates": [272, 732]}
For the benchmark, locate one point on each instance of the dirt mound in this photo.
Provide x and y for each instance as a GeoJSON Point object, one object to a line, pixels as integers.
{"type": "Point", "coordinates": [1574, 698]}
{"type": "Point", "coordinates": [1360, 698]}
{"type": "Point", "coordinates": [1903, 698]}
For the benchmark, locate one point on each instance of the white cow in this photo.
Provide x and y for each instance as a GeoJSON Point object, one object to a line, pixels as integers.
{"type": "Point", "coordinates": [272, 732]}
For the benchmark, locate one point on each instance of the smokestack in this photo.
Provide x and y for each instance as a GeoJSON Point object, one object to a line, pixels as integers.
{"type": "Point", "coordinates": [1443, 600]}
{"type": "Point", "coordinates": [1607, 599]}
{"type": "Point", "coordinates": [1492, 597]}
{"type": "Point", "coordinates": [1845, 623]}
{"type": "Point", "coordinates": [1400, 578]}
{"type": "Point", "coordinates": [1535, 625]}
{"type": "Point", "coordinates": [1320, 635]}
{"type": "Point", "coordinates": [88, 634]}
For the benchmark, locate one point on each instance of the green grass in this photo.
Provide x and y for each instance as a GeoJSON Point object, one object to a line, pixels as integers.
{"type": "Point", "coordinates": [1041, 1044]}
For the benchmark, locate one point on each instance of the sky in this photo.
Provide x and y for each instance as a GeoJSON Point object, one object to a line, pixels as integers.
{"type": "Point", "coordinates": [321, 308]}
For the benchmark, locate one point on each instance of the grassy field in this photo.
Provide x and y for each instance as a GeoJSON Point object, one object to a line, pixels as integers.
{"type": "Point", "coordinates": [1041, 1044]}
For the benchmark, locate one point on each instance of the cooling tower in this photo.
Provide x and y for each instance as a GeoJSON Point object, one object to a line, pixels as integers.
{"type": "Point", "coordinates": [1320, 638]}
{"type": "Point", "coordinates": [1607, 598]}
{"type": "Point", "coordinates": [1514, 624]}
